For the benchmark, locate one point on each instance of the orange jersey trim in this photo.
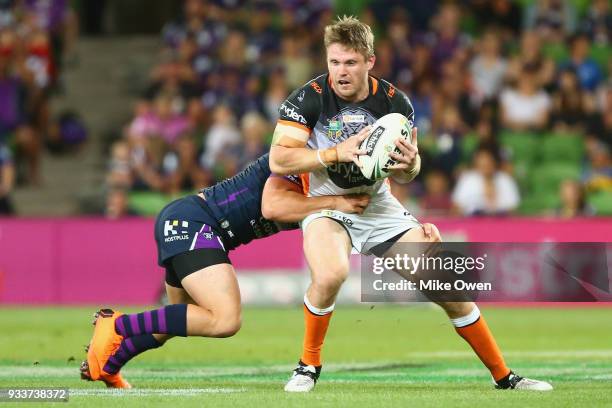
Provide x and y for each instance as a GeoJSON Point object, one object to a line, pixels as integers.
{"type": "Point", "coordinates": [305, 183]}
{"type": "Point", "coordinates": [374, 85]}
{"type": "Point", "coordinates": [294, 124]}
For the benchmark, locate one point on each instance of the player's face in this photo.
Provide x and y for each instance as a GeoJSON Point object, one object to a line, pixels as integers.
{"type": "Point", "coordinates": [348, 71]}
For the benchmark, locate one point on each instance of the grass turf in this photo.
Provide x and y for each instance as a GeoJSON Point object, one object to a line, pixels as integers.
{"type": "Point", "coordinates": [381, 356]}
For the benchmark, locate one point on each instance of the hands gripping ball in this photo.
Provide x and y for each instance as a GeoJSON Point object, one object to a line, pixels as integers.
{"type": "Point", "coordinates": [380, 142]}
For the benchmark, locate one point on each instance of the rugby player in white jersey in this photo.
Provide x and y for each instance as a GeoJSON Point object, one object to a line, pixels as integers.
{"type": "Point", "coordinates": [318, 134]}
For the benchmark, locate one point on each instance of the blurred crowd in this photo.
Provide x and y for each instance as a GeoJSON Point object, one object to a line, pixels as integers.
{"type": "Point", "coordinates": [473, 69]}
{"type": "Point", "coordinates": [35, 36]}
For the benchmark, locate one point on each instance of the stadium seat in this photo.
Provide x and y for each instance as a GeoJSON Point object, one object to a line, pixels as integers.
{"type": "Point", "coordinates": [601, 55]}
{"type": "Point", "coordinates": [538, 203]}
{"type": "Point", "coordinates": [601, 202]}
{"type": "Point", "coordinates": [565, 148]}
{"type": "Point", "coordinates": [522, 172]}
{"type": "Point", "coordinates": [546, 178]}
{"type": "Point", "coordinates": [148, 203]}
{"type": "Point", "coordinates": [522, 146]}
{"type": "Point", "coordinates": [557, 52]}
{"type": "Point", "coordinates": [469, 143]}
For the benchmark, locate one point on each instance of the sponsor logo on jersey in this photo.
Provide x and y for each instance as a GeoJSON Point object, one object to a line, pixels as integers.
{"type": "Point", "coordinates": [391, 92]}
{"type": "Point", "coordinates": [172, 234]}
{"type": "Point", "coordinates": [347, 175]}
{"type": "Point", "coordinates": [301, 95]}
{"type": "Point", "coordinates": [334, 129]}
{"type": "Point", "coordinates": [292, 113]}
{"type": "Point", "coordinates": [335, 215]}
{"type": "Point", "coordinates": [316, 87]}
{"type": "Point", "coordinates": [353, 118]}
{"type": "Point", "coordinates": [373, 139]}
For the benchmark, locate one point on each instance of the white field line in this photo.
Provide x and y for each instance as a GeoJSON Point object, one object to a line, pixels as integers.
{"type": "Point", "coordinates": [148, 392]}
{"type": "Point", "coordinates": [10, 371]}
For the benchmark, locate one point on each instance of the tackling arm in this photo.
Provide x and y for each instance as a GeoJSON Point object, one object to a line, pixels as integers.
{"type": "Point", "coordinates": [290, 156]}
{"type": "Point", "coordinates": [284, 201]}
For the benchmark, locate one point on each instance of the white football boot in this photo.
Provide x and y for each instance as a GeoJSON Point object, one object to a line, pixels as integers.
{"type": "Point", "coordinates": [516, 382]}
{"type": "Point", "coordinates": [303, 379]}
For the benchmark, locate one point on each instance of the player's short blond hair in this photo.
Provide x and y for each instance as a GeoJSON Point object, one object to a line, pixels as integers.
{"type": "Point", "coordinates": [351, 33]}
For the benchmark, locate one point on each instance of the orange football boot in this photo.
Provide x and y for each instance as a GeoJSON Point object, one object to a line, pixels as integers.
{"type": "Point", "coordinates": [103, 345]}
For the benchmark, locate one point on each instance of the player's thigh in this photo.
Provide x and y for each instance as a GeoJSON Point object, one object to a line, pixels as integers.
{"type": "Point", "coordinates": [208, 277]}
{"type": "Point", "coordinates": [415, 243]}
{"type": "Point", "coordinates": [418, 235]}
{"type": "Point", "coordinates": [327, 247]}
{"type": "Point", "coordinates": [214, 288]}
{"type": "Point", "coordinates": [178, 295]}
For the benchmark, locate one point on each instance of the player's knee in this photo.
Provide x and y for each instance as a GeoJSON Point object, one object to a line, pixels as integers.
{"type": "Point", "coordinates": [435, 234]}
{"type": "Point", "coordinates": [331, 280]}
{"type": "Point", "coordinates": [227, 326]}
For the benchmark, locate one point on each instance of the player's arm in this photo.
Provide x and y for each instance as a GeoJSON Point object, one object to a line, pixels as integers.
{"type": "Point", "coordinates": [408, 161]}
{"type": "Point", "coordinates": [284, 201]}
{"type": "Point", "coordinates": [299, 114]}
{"type": "Point", "coordinates": [288, 154]}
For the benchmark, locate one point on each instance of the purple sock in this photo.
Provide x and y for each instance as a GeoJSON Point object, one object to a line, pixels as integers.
{"type": "Point", "coordinates": [130, 348]}
{"type": "Point", "coordinates": [171, 319]}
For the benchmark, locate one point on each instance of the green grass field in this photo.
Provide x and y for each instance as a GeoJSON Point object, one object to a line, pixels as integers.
{"type": "Point", "coordinates": [381, 356]}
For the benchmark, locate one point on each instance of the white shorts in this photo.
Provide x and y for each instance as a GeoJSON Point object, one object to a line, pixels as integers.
{"type": "Point", "coordinates": [383, 219]}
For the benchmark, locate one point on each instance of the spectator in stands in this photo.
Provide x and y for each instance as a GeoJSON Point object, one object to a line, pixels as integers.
{"type": "Point", "coordinates": [410, 69]}
{"type": "Point", "coordinates": [572, 106]}
{"type": "Point", "coordinates": [197, 21]}
{"type": "Point", "coordinates": [573, 200]}
{"type": "Point", "coordinates": [7, 180]}
{"type": "Point", "coordinates": [398, 33]}
{"type": "Point", "coordinates": [485, 190]}
{"type": "Point", "coordinates": [597, 175]}
{"type": "Point", "coordinates": [530, 57]}
{"type": "Point", "coordinates": [599, 128]}
{"type": "Point", "coordinates": [162, 121]}
{"type": "Point", "coordinates": [504, 14]}
{"type": "Point", "coordinates": [222, 134]}
{"type": "Point", "coordinates": [59, 24]}
{"type": "Point", "coordinates": [448, 39]}
{"type": "Point", "coordinates": [486, 130]}
{"type": "Point", "coordinates": [598, 22]}
{"type": "Point", "coordinates": [146, 162]}
{"type": "Point", "coordinates": [448, 140]}
{"type": "Point", "coordinates": [15, 103]}
{"type": "Point", "coordinates": [488, 68]}
{"type": "Point", "coordinates": [262, 42]}
{"type": "Point", "coordinates": [585, 67]}
{"type": "Point", "coordinates": [275, 93]}
{"type": "Point", "coordinates": [452, 90]}
{"type": "Point", "coordinates": [176, 78]}
{"type": "Point", "coordinates": [117, 204]}
{"type": "Point", "coordinates": [296, 59]}
{"type": "Point", "coordinates": [551, 19]}
{"type": "Point", "coordinates": [422, 102]}
{"type": "Point", "coordinates": [180, 168]}
{"type": "Point", "coordinates": [120, 169]}
{"type": "Point", "coordinates": [255, 130]}
{"type": "Point", "coordinates": [437, 198]}
{"type": "Point", "coordinates": [7, 13]}
{"type": "Point", "coordinates": [525, 106]}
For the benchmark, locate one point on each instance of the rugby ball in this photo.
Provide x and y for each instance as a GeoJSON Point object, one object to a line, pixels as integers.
{"type": "Point", "coordinates": [380, 142]}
